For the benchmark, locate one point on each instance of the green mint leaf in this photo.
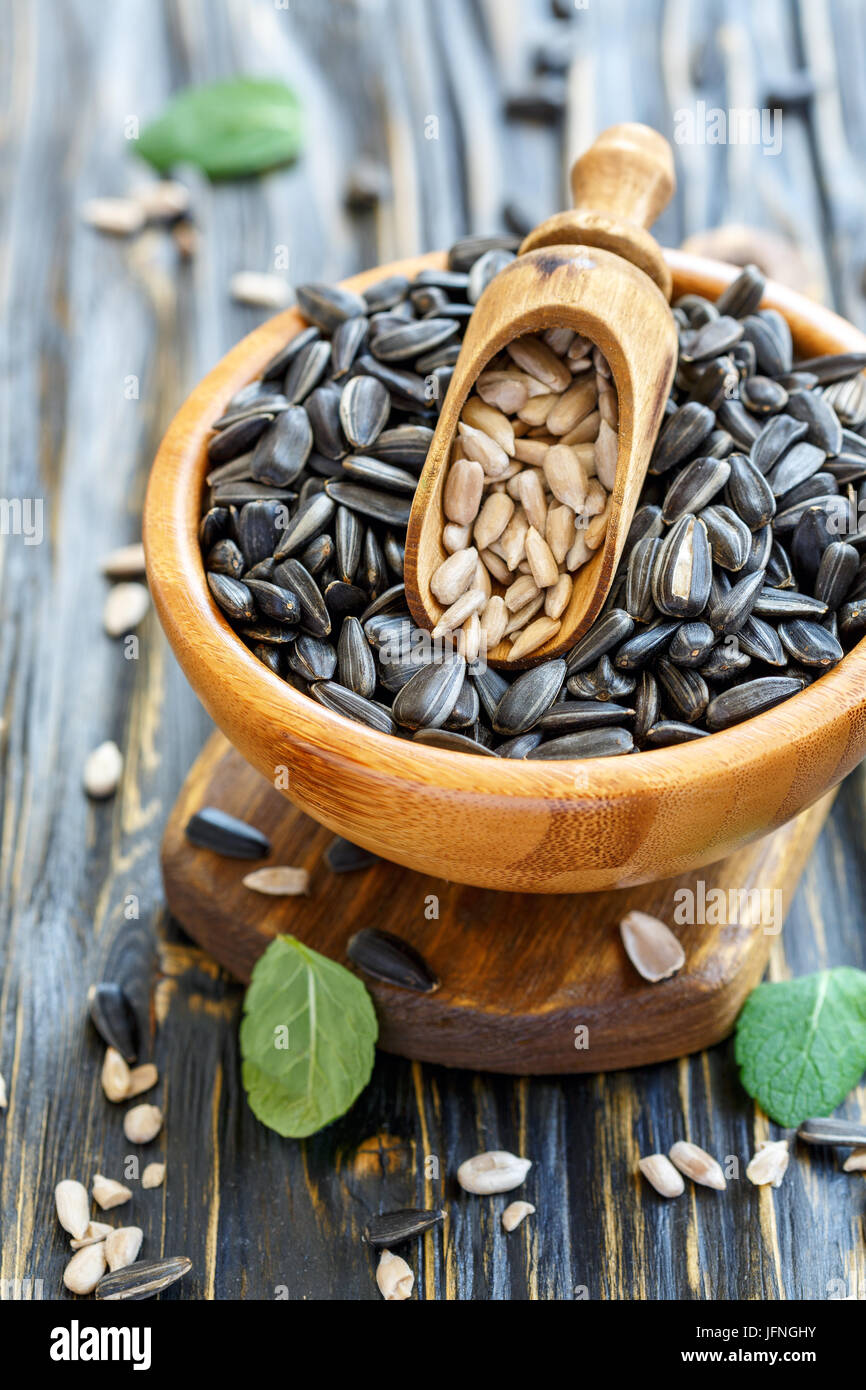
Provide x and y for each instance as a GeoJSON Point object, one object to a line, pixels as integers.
{"type": "Point", "coordinates": [308, 1039]}
{"type": "Point", "coordinates": [801, 1044]}
{"type": "Point", "coordinates": [228, 129]}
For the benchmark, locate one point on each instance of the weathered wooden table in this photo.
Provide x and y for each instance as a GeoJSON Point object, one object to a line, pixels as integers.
{"type": "Point", "coordinates": [102, 340]}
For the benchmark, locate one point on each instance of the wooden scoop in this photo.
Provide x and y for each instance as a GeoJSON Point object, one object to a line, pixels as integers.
{"type": "Point", "coordinates": [598, 271]}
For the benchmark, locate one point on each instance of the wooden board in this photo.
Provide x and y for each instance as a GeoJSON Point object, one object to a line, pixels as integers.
{"type": "Point", "coordinates": [530, 983]}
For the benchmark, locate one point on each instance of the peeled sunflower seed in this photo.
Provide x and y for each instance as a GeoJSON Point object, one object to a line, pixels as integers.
{"type": "Point", "coordinates": [394, 1278]}
{"type": "Point", "coordinates": [113, 1018]}
{"type": "Point", "coordinates": [143, 1279]}
{"type": "Point", "coordinates": [103, 770]}
{"type": "Point", "coordinates": [769, 1163]}
{"type": "Point", "coordinates": [494, 1171]}
{"type": "Point", "coordinates": [122, 1246]}
{"type": "Point", "coordinates": [516, 1212]}
{"type": "Point", "coordinates": [661, 1173]}
{"type": "Point", "coordinates": [856, 1162]}
{"type": "Point", "coordinates": [392, 1227]}
{"type": "Point", "coordinates": [387, 957]}
{"type": "Point", "coordinates": [651, 947]}
{"type": "Point", "coordinates": [96, 1231]}
{"type": "Point", "coordinates": [115, 1075]}
{"type": "Point", "coordinates": [107, 1193]}
{"type": "Point", "coordinates": [142, 1123]}
{"type": "Point", "coordinates": [259, 289]}
{"type": "Point", "coordinates": [141, 1079]}
{"type": "Point", "coordinates": [279, 881]}
{"type": "Point", "coordinates": [85, 1269]}
{"type": "Point", "coordinates": [73, 1207]}
{"type": "Point", "coordinates": [3, 1098]}
{"type": "Point", "coordinates": [211, 828]}
{"type": "Point", "coordinates": [127, 562]}
{"type": "Point", "coordinates": [697, 1164]}
{"type": "Point", "coordinates": [125, 607]}
{"type": "Point", "coordinates": [153, 1175]}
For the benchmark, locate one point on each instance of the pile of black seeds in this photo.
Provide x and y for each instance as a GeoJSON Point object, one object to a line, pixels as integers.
{"type": "Point", "coordinates": [743, 578]}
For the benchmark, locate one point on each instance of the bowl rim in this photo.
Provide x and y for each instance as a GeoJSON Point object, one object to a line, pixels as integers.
{"type": "Point", "coordinates": [203, 640]}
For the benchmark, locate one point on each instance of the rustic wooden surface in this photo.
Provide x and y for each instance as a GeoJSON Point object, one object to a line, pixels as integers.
{"type": "Point", "coordinates": [261, 1217]}
{"type": "Point", "coordinates": [528, 985]}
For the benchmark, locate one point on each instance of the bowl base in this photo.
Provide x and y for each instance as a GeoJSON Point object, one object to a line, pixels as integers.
{"type": "Point", "coordinates": [530, 983]}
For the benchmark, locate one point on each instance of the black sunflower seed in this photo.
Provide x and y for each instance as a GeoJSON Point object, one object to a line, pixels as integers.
{"type": "Point", "coordinates": [374, 472]}
{"type": "Point", "coordinates": [683, 569]}
{"type": "Point", "coordinates": [451, 741]}
{"type": "Point", "coordinates": [410, 340]}
{"type": "Point", "coordinates": [748, 493]}
{"type": "Point", "coordinates": [682, 435]}
{"type": "Point", "coordinates": [427, 699]}
{"type": "Point", "coordinates": [323, 409]}
{"type": "Point", "coordinates": [327, 306]}
{"type": "Point", "coordinates": [313, 611]}
{"type": "Point", "coordinates": [528, 697]}
{"type": "Point", "coordinates": [225, 558]}
{"type": "Point", "coordinates": [798, 464]}
{"type": "Point", "coordinates": [347, 342]}
{"type": "Point", "coordinates": [279, 363]}
{"type": "Point", "coordinates": [391, 1227]}
{"type": "Point", "coordinates": [343, 701]}
{"type": "Point", "coordinates": [647, 704]}
{"type": "Point", "coordinates": [570, 716]}
{"type": "Point", "coordinates": [520, 745]}
{"type": "Point", "coordinates": [349, 538]}
{"type": "Point", "coordinates": [809, 643]}
{"type": "Point", "coordinates": [355, 658]}
{"type": "Point", "coordinates": [742, 426]}
{"type": "Point", "coordinates": [834, 367]}
{"type": "Point", "coordinates": [743, 295]}
{"type": "Point", "coordinates": [729, 611]}
{"type": "Point", "coordinates": [283, 449]}
{"type": "Point", "coordinates": [318, 554]}
{"type": "Point", "coordinates": [307, 524]}
{"type": "Point", "coordinates": [364, 408]}
{"type": "Point", "coordinates": [823, 428]}
{"type": "Point", "coordinates": [763, 396]}
{"type": "Point", "coordinates": [211, 828]}
{"type": "Point", "coordinates": [237, 438]}
{"type": "Point", "coordinates": [406, 444]}
{"type": "Point", "coordinates": [758, 639]}
{"type": "Point", "coordinates": [589, 743]}
{"type": "Point", "coordinates": [343, 599]}
{"type": "Point", "coordinates": [367, 501]}
{"type": "Point", "coordinates": [751, 698]}
{"type": "Point", "coordinates": [344, 857]}
{"type": "Point", "coordinates": [142, 1279]}
{"type": "Point", "coordinates": [114, 1018]}
{"type": "Point", "coordinates": [695, 486]}
{"type": "Point", "coordinates": [313, 658]}
{"type": "Point", "coordinates": [691, 644]}
{"type": "Point", "coordinates": [410, 386]}
{"type": "Point", "coordinates": [233, 597]}
{"type": "Point", "coordinates": [604, 635]}
{"type": "Point", "coordinates": [645, 645]}
{"type": "Point", "coordinates": [839, 564]}
{"type": "Point", "coordinates": [724, 662]}
{"type": "Point", "coordinates": [387, 957]}
{"type": "Point", "coordinates": [668, 732]}
{"type": "Point", "coordinates": [774, 439]}
{"type": "Point", "coordinates": [306, 370]}
{"type": "Point", "coordinates": [686, 689]}
{"type": "Point", "coordinates": [279, 604]}
{"type": "Point", "coordinates": [730, 539]}
{"type": "Point", "coordinates": [603, 682]}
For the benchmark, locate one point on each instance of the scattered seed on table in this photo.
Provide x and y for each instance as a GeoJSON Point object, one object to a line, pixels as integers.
{"type": "Point", "coordinates": [125, 607]}
{"type": "Point", "coordinates": [103, 770]}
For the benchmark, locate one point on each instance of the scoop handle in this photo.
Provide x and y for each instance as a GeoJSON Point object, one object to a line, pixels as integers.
{"type": "Point", "coordinates": [620, 185]}
{"type": "Point", "coordinates": [627, 175]}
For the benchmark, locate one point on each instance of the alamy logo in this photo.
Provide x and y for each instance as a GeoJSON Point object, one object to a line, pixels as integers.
{"type": "Point", "coordinates": [744, 907]}
{"type": "Point", "coordinates": [22, 516]}
{"type": "Point", "coordinates": [77, 1343]}
{"type": "Point", "coordinates": [740, 125]}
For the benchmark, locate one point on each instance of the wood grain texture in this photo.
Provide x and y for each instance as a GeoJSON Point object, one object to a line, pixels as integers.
{"type": "Point", "coordinates": [259, 1215]}
{"type": "Point", "coordinates": [520, 979]}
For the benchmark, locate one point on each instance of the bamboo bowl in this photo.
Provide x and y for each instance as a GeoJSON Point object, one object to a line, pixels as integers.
{"type": "Point", "coordinates": [540, 827]}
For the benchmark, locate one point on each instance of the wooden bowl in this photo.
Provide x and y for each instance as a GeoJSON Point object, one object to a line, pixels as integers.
{"type": "Point", "coordinates": [543, 827]}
